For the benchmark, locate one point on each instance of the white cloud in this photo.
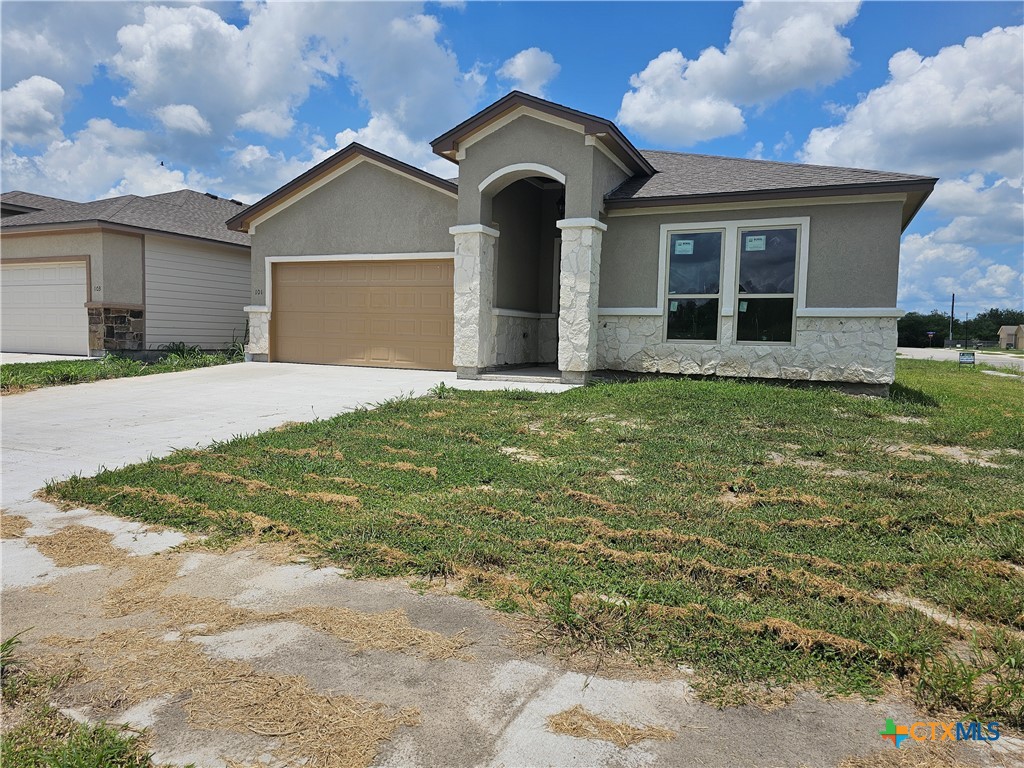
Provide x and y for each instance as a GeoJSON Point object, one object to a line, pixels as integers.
{"type": "Point", "coordinates": [931, 268]}
{"type": "Point", "coordinates": [33, 112]}
{"type": "Point", "coordinates": [276, 123]}
{"type": "Point", "coordinates": [956, 114]}
{"type": "Point", "coordinates": [774, 48]}
{"type": "Point", "coordinates": [383, 135]}
{"type": "Point", "coordinates": [530, 70]}
{"type": "Point", "coordinates": [184, 118]}
{"type": "Point", "coordinates": [204, 80]}
{"type": "Point", "coordinates": [756, 152]}
{"type": "Point", "coordinates": [101, 160]}
{"type": "Point", "coordinates": [61, 41]}
{"type": "Point", "coordinates": [957, 111]}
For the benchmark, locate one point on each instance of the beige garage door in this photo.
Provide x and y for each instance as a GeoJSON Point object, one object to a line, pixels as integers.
{"type": "Point", "coordinates": [43, 308]}
{"type": "Point", "coordinates": [386, 314]}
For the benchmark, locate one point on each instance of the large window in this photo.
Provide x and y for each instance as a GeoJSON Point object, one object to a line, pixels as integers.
{"type": "Point", "coordinates": [744, 270]}
{"type": "Point", "coordinates": [694, 285]}
{"type": "Point", "coordinates": [765, 290]}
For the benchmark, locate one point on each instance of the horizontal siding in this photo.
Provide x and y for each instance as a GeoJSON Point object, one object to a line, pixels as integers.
{"type": "Point", "coordinates": [194, 294]}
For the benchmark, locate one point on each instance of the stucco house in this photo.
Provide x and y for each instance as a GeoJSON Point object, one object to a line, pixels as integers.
{"type": "Point", "coordinates": [127, 274]}
{"type": "Point", "coordinates": [562, 244]}
{"type": "Point", "coordinates": [1011, 337]}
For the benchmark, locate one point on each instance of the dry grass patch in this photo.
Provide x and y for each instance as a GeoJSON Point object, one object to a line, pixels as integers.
{"type": "Point", "coordinates": [520, 454]}
{"type": "Point", "coordinates": [581, 724]}
{"type": "Point", "coordinates": [400, 451]}
{"type": "Point", "coordinates": [308, 727]}
{"type": "Point", "coordinates": [401, 466]}
{"type": "Point", "coordinates": [80, 545]}
{"type": "Point", "coordinates": [744, 494]}
{"type": "Point", "coordinates": [922, 755]}
{"type": "Point", "coordinates": [13, 526]}
{"type": "Point", "coordinates": [595, 501]}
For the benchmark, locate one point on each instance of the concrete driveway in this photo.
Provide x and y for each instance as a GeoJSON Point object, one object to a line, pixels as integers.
{"type": "Point", "coordinates": [487, 705]}
{"type": "Point", "coordinates": [60, 431]}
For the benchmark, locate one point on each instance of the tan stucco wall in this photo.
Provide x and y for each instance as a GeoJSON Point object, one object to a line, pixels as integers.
{"type": "Point", "coordinates": [528, 140]}
{"type": "Point", "coordinates": [115, 260]}
{"type": "Point", "coordinates": [122, 269]}
{"type": "Point", "coordinates": [853, 253]}
{"type": "Point", "coordinates": [367, 209]}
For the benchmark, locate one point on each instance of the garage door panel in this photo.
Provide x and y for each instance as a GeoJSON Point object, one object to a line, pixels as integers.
{"type": "Point", "coordinates": [395, 314]}
{"type": "Point", "coordinates": [43, 308]}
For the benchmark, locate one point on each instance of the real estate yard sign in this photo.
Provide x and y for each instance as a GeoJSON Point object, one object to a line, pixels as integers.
{"type": "Point", "coordinates": [966, 358]}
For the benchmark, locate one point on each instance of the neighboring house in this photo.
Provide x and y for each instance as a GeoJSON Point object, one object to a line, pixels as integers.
{"type": "Point", "coordinates": [1011, 337]}
{"type": "Point", "coordinates": [563, 244]}
{"type": "Point", "coordinates": [125, 275]}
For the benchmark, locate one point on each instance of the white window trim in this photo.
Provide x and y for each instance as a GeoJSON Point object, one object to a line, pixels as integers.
{"type": "Point", "coordinates": [720, 296]}
{"type": "Point", "coordinates": [271, 260]}
{"type": "Point", "coordinates": [730, 269]}
{"type": "Point", "coordinates": [799, 294]}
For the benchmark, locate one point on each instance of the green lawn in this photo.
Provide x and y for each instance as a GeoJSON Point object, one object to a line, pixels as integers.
{"type": "Point", "coordinates": [22, 377]}
{"type": "Point", "coordinates": [759, 534]}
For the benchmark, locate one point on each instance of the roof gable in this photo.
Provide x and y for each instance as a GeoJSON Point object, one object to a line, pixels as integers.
{"type": "Point", "coordinates": [185, 212]}
{"type": "Point", "coordinates": [327, 170]}
{"type": "Point", "coordinates": [447, 144]}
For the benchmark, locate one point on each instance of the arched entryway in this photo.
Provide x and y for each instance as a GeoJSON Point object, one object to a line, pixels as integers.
{"type": "Point", "coordinates": [526, 279]}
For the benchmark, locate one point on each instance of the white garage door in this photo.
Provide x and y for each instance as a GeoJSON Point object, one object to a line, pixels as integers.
{"type": "Point", "coordinates": [43, 308]}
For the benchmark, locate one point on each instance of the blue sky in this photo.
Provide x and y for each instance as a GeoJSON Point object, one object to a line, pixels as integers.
{"type": "Point", "coordinates": [237, 99]}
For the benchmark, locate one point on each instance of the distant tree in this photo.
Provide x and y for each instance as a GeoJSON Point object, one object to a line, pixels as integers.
{"type": "Point", "coordinates": [913, 329]}
{"type": "Point", "coordinates": [986, 325]}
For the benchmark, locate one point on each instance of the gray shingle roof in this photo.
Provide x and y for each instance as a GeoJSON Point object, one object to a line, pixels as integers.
{"type": "Point", "coordinates": [30, 200]}
{"type": "Point", "coordinates": [185, 212]}
{"type": "Point", "coordinates": [681, 174]}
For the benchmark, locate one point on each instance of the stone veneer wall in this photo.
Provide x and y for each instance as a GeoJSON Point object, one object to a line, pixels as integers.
{"type": "Point", "coordinates": [116, 329]}
{"type": "Point", "coordinates": [258, 347]}
{"type": "Point", "coordinates": [525, 340]}
{"type": "Point", "coordinates": [843, 349]}
{"type": "Point", "coordinates": [577, 296]}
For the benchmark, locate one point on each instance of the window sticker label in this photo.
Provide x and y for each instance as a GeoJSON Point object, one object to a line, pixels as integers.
{"type": "Point", "coordinates": [683, 247]}
{"type": "Point", "coordinates": [743, 306]}
{"type": "Point", "coordinates": [673, 306]}
{"type": "Point", "coordinates": [754, 243]}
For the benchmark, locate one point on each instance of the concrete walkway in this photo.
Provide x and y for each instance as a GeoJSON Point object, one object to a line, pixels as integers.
{"type": "Point", "coordinates": [488, 708]}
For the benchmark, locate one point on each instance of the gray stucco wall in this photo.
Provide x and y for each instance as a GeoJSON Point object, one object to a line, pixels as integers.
{"type": "Point", "coordinates": [368, 209]}
{"type": "Point", "coordinates": [853, 253]}
{"type": "Point", "coordinates": [517, 213]}
{"type": "Point", "coordinates": [115, 260]}
{"type": "Point", "coordinates": [607, 176]}
{"type": "Point", "coordinates": [527, 140]}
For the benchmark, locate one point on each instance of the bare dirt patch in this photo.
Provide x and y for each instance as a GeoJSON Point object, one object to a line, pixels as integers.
{"type": "Point", "coordinates": [578, 722]}
{"type": "Point", "coordinates": [520, 454]}
{"type": "Point", "coordinates": [980, 456]}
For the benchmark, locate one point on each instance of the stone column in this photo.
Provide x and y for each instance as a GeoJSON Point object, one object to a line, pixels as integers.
{"type": "Point", "coordinates": [580, 275]}
{"type": "Point", "coordinates": [475, 341]}
{"type": "Point", "coordinates": [258, 348]}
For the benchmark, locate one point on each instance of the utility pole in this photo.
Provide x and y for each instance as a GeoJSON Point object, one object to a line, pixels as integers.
{"type": "Point", "coordinates": [952, 314]}
{"type": "Point", "coordinates": [967, 319]}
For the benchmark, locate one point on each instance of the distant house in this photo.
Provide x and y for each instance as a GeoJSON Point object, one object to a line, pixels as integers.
{"type": "Point", "coordinates": [127, 274]}
{"type": "Point", "coordinates": [562, 244]}
{"type": "Point", "coordinates": [1011, 337]}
